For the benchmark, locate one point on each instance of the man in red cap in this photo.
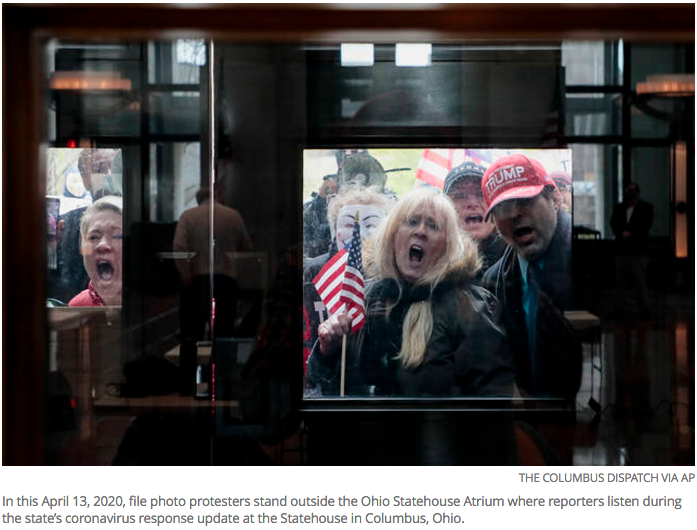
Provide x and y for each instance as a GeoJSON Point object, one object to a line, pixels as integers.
{"type": "Point", "coordinates": [533, 277]}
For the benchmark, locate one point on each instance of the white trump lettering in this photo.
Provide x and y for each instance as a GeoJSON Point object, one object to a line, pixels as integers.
{"type": "Point", "coordinates": [508, 174]}
{"type": "Point", "coordinates": [503, 175]}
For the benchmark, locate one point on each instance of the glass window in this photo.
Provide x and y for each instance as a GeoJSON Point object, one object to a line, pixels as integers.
{"type": "Point", "coordinates": [185, 280]}
{"type": "Point", "coordinates": [657, 117]}
{"type": "Point", "coordinates": [593, 114]}
{"type": "Point", "coordinates": [174, 113]}
{"type": "Point", "coordinates": [594, 169]}
{"type": "Point", "coordinates": [592, 62]}
{"type": "Point", "coordinates": [175, 177]}
{"type": "Point", "coordinates": [176, 63]}
{"type": "Point", "coordinates": [651, 170]}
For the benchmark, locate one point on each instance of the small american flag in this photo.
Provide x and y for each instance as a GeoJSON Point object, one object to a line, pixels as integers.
{"type": "Point", "coordinates": [340, 282]}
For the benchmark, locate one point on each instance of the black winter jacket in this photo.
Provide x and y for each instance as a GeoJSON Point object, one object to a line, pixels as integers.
{"type": "Point", "coordinates": [558, 363]}
{"type": "Point", "coordinates": [466, 355]}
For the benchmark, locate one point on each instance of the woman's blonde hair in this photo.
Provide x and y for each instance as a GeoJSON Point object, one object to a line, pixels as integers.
{"type": "Point", "coordinates": [460, 254]}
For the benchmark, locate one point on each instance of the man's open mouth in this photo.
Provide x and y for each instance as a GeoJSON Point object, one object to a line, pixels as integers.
{"type": "Point", "coordinates": [474, 219]}
{"type": "Point", "coordinates": [524, 234]}
{"type": "Point", "coordinates": [416, 254]}
{"type": "Point", "coordinates": [105, 270]}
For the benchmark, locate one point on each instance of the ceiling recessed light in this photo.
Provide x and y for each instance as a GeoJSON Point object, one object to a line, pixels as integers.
{"type": "Point", "coordinates": [412, 54]}
{"type": "Point", "coordinates": [357, 55]}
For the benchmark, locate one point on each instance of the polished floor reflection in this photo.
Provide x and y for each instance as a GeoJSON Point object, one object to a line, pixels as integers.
{"type": "Point", "coordinates": [635, 407]}
{"type": "Point", "coordinates": [643, 384]}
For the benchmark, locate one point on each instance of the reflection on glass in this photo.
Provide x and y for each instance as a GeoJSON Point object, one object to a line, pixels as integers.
{"type": "Point", "coordinates": [176, 62]}
{"type": "Point", "coordinates": [75, 179]}
{"type": "Point", "coordinates": [107, 367]}
{"type": "Point", "coordinates": [593, 114]}
{"type": "Point", "coordinates": [591, 63]}
{"type": "Point", "coordinates": [397, 254]}
{"type": "Point", "coordinates": [175, 113]}
{"type": "Point", "coordinates": [647, 164]}
{"type": "Point", "coordinates": [175, 177]}
{"type": "Point", "coordinates": [594, 167]}
{"type": "Point", "coordinates": [205, 260]}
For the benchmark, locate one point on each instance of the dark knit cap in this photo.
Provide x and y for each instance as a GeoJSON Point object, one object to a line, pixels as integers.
{"type": "Point", "coordinates": [468, 170]}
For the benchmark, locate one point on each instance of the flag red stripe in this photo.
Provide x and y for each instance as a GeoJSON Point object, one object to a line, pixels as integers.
{"type": "Point", "coordinates": [340, 282]}
{"type": "Point", "coordinates": [329, 267]}
{"type": "Point", "coordinates": [435, 156]}
{"type": "Point", "coordinates": [428, 178]}
{"type": "Point", "coordinates": [353, 290]}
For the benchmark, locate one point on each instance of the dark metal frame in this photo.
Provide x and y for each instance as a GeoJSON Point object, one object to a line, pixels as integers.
{"type": "Point", "coordinates": [26, 27]}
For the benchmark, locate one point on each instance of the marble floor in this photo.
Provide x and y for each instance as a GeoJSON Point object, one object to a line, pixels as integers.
{"type": "Point", "coordinates": [642, 384]}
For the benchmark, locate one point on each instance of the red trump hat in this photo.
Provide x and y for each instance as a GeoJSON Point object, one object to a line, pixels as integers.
{"type": "Point", "coordinates": [513, 177]}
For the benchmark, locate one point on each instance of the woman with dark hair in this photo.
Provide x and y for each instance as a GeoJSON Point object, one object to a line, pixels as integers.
{"type": "Point", "coordinates": [429, 330]}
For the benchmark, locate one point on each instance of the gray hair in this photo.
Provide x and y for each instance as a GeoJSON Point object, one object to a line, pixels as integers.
{"type": "Point", "coordinates": [108, 203]}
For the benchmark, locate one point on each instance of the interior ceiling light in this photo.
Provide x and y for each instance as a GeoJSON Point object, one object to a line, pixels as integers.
{"type": "Point", "coordinates": [412, 54]}
{"type": "Point", "coordinates": [78, 80]}
{"type": "Point", "coordinates": [668, 85]}
{"type": "Point", "coordinates": [357, 55]}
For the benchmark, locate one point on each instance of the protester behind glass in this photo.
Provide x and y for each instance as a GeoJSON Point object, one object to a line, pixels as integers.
{"type": "Point", "coordinates": [429, 331]}
{"type": "Point", "coordinates": [101, 246]}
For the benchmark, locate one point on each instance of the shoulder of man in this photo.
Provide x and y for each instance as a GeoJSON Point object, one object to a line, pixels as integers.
{"type": "Point", "coordinates": [482, 301]}
{"type": "Point", "coordinates": [496, 274]}
{"type": "Point", "coordinates": [645, 205]}
{"type": "Point", "coordinates": [559, 250]}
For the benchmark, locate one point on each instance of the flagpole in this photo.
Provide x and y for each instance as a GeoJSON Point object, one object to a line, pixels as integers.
{"type": "Point", "coordinates": [356, 220]}
{"type": "Point", "coordinates": [343, 366]}
{"type": "Point", "coordinates": [345, 267]}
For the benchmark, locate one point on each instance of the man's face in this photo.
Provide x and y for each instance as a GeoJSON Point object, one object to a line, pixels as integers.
{"type": "Point", "coordinates": [527, 224]}
{"type": "Point", "coordinates": [631, 194]}
{"type": "Point", "coordinates": [470, 206]}
{"type": "Point", "coordinates": [369, 215]}
{"type": "Point", "coordinates": [75, 184]}
{"type": "Point", "coordinates": [97, 168]}
{"type": "Point", "coordinates": [329, 187]}
{"type": "Point", "coordinates": [566, 200]}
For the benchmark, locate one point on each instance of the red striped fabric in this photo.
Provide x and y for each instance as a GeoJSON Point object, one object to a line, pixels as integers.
{"type": "Point", "coordinates": [435, 164]}
{"type": "Point", "coordinates": [340, 282]}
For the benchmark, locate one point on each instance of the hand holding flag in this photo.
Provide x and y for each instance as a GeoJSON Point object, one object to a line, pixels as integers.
{"type": "Point", "coordinates": [340, 282]}
{"type": "Point", "coordinates": [340, 286]}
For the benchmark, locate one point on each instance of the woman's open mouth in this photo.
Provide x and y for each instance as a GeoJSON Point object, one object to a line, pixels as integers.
{"type": "Point", "coordinates": [474, 219]}
{"type": "Point", "coordinates": [416, 254]}
{"type": "Point", "coordinates": [105, 270]}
